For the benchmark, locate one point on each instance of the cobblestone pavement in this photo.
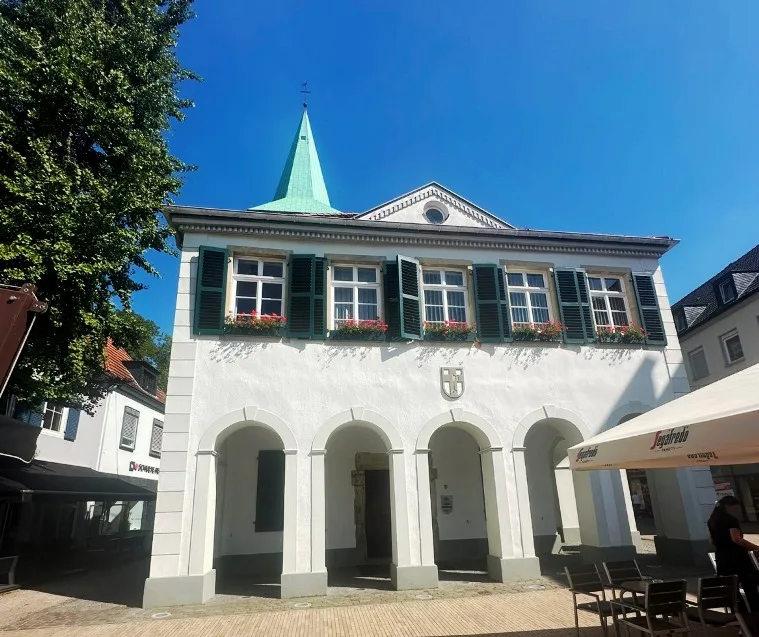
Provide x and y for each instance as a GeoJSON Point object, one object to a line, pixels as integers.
{"type": "Point", "coordinates": [544, 613]}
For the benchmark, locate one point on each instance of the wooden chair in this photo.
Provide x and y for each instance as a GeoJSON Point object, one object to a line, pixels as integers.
{"type": "Point", "coordinates": [663, 611]}
{"type": "Point", "coordinates": [584, 579]}
{"type": "Point", "coordinates": [715, 594]}
{"type": "Point", "coordinates": [622, 571]}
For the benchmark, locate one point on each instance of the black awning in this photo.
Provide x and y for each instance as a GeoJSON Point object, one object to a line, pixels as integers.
{"type": "Point", "coordinates": [18, 439]}
{"type": "Point", "coordinates": [52, 481]}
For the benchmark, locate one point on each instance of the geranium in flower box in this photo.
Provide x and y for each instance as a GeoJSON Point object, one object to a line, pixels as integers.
{"type": "Point", "coordinates": [545, 332]}
{"type": "Point", "coordinates": [632, 333]}
{"type": "Point", "coordinates": [255, 324]}
{"type": "Point", "coordinates": [354, 329]}
{"type": "Point", "coordinates": [449, 331]}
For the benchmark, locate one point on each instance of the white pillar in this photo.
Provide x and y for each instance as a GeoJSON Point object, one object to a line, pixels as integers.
{"type": "Point", "coordinates": [318, 513]}
{"type": "Point", "coordinates": [426, 537]}
{"type": "Point", "coordinates": [399, 508]}
{"type": "Point", "coordinates": [523, 502]}
{"type": "Point", "coordinates": [565, 491]}
{"type": "Point", "coordinates": [290, 524]}
{"type": "Point", "coordinates": [630, 510]}
{"type": "Point", "coordinates": [203, 514]}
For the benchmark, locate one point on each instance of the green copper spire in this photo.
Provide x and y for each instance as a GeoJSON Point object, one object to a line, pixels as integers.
{"type": "Point", "coordinates": [301, 187]}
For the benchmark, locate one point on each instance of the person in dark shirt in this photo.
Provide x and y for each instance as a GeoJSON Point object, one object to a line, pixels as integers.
{"type": "Point", "coordinates": [732, 550]}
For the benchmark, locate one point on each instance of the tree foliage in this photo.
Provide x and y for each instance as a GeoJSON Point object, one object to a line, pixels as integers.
{"type": "Point", "coordinates": [144, 341]}
{"type": "Point", "coordinates": [87, 89]}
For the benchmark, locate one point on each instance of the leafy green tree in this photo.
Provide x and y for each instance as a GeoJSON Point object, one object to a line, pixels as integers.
{"type": "Point", "coordinates": [87, 90]}
{"type": "Point", "coordinates": [145, 341]}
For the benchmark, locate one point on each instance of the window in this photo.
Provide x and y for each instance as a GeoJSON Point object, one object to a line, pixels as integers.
{"type": "Point", "coordinates": [727, 291]}
{"type": "Point", "coordinates": [156, 438]}
{"type": "Point", "coordinates": [609, 301]}
{"type": "Point", "coordinates": [259, 286]}
{"type": "Point", "coordinates": [52, 418]}
{"type": "Point", "coordinates": [680, 322]}
{"type": "Point", "coordinates": [433, 215]}
{"type": "Point", "coordinates": [444, 296]}
{"type": "Point", "coordinates": [732, 348]}
{"type": "Point", "coordinates": [698, 366]}
{"type": "Point", "coordinates": [355, 293]}
{"type": "Point", "coordinates": [129, 428]}
{"type": "Point", "coordinates": [270, 491]}
{"type": "Point", "coordinates": [528, 297]}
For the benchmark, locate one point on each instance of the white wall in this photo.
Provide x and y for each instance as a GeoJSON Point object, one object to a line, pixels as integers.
{"type": "Point", "coordinates": [117, 461]}
{"type": "Point", "coordinates": [236, 494]}
{"type": "Point", "coordinates": [82, 452]}
{"type": "Point", "coordinates": [306, 383]}
{"type": "Point", "coordinates": [744, 318]}
{"type": "Point", "coordinates": [339, 463]}
{"type": "Point", "coordinates": [455, 455]}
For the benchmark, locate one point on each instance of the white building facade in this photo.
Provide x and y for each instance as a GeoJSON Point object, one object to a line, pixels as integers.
{"type": "Point", "coordinates": [321, 441]}
{"type": "Point", "coordinates": [718, 327]}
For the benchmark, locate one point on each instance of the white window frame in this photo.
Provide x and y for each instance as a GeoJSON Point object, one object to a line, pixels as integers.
{"type": "Point", "coordinates": [729, 285]}
{"type": "Point", "coordinates": [355, 285]}
{"type": "Point", "coordinates": [681, 322]}
{"type": "Point", "coordinates": [260, 279]}
{"type": "Point", "coordinates": [726, 353]}
{"type": "Point", "coordinates": [127, 447]}
{"type": "Point", "coordinates": [691, 353]}
{"type": "Point", "coordinates": [526, 290]}
{"type": "Point", "coordinates": [606, 294]}
{"type": "Point", "coordinates": [157, 424]}
{"type": "Point", "coordinates": [445, 287]}
{"type": "Point", "coordinates": [64, 411]}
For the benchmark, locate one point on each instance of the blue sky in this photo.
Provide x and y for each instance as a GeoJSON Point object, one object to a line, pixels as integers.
{"type": "Point", "coordinates": [592, 115]}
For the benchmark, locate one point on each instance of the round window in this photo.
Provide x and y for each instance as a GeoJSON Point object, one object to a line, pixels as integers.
{"type": "Point", "coordinates": [434, 215]}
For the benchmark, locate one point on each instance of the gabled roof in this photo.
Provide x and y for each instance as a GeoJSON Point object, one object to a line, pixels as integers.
{"type": "Point", "coordinates": [115, 357]}
{"type": "Point", "coordinates": [433, 188]}
{"type": "Point", "coordinates": [705, 303]}
{"type": "Point", "coordinates": [301, 187]}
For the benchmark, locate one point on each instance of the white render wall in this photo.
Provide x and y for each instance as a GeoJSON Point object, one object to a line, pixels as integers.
{"type": "Point", "coordinates": [97, 440]}
{"type": "Point", "coordinates": [305, 384]}
{"type": "Point", "coordinates": [744, 318]}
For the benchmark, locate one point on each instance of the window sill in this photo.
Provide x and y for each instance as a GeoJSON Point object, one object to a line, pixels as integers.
{"type": "Point", "coordinates": [153, 454]}
{"type": "Point", "coordinates": [536, 340]}
{"type": "Point", "coordinates": [613, 341]}
{"type": "Point", "coordinates": [275, 332]}
{"type": "Point", "coordinates": [51, 432]}
{"type": "Point", "coordinates": [737, 361]}
{"type": "Point", "coordinates": [125, 448]}
{"type": "Point", "coordinates": [356, 336]}
{"type": "Point", "coordinates": [433, 336]}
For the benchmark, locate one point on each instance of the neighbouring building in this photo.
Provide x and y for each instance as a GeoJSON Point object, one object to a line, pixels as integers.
{"type": "Point", "coordinates": [718, 327]}
{"type": "Point", "coordinates": [94, 477]}
{"type": "Point", "coordinates": [393, 386]}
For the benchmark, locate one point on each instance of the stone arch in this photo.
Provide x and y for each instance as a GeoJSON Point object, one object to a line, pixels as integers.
{"type": "Point", "coordinates": [479, 428]}
{"type": "Point", "coordinates": [245, 417]}
{"type": "Point", "coordinates": [548, 412]}
{"type": "Point", "coordinates": [358, 415]}
{"type": "Point", "coordinates": [621, 413]}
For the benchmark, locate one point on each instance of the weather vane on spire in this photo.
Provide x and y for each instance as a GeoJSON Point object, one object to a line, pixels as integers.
{"type": "Point", "coordinates": [305, 91]}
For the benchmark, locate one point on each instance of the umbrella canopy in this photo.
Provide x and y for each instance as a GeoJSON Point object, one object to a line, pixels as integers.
{"type": "Point", "coordinates": [715, 425]}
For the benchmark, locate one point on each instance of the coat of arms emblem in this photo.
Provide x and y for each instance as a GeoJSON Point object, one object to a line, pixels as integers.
{"type": "Point", "coordinates": [452, 381]}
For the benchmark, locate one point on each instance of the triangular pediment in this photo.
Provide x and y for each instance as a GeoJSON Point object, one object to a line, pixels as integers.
{"type": "Point", "coordinates": [431, 203]}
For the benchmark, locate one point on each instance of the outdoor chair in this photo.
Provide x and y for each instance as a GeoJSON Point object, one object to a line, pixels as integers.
{"type": "Point", "coordinates": [622, 571]}
{"type": "Point", "coordinates": [716, 602]}
{"type": "Point", "coordinates": [663, 611]}
{"type": "Point", "coordinates": [584, 579]}
{"type": "Point", "coordinates": [749, 623]}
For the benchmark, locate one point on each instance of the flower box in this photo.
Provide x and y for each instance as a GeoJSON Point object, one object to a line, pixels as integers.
{"type": "Point", "coordinates": [354, 330]}
{"type": "Point", "coordinates": [449, 331]}
{"type": "Point", "coordinates": [541, 332]}
{"type": "Point", "coordinates": [253, 324]}
{"type": "Point", "coordinates": [625, 334]}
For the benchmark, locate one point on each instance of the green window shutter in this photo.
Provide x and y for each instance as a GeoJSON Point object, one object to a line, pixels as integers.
{"type": "Point", "coordinates": [210, 291]}
{"type": "Point", "coordinates": [410, 307]}
{"type": "Point", "coordinates": [574, 304]}
{"type": "Point", "coordinates": [320, 298]}
{"type": "Point", "coordinates": [392, 299]}
{"type": "Point", "coordinates": [648, 307]}
{"type": "Point", "coordinates": [300, 308]}
{"type": "Point", "coordinates": [491, 303]}
{"type": "Point", "coordinates": [270, 491]}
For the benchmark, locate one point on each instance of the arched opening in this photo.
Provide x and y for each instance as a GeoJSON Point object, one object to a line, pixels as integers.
{"type": "Point", "coordinates": [359, 508]}
{"type": "Point", "coordinates": [552, 487]}
{"type": "Point", "coordinates": [249, 521]}
{"type": "Point", "coordinates": [459, 507]}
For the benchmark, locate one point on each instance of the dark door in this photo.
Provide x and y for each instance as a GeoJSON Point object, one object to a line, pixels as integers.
{"type": "Point", "coordinates": [378, 542]}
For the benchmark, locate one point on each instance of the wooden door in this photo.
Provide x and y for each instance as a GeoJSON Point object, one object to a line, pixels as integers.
{"type": "Point", "coordinates": [377, 514]}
